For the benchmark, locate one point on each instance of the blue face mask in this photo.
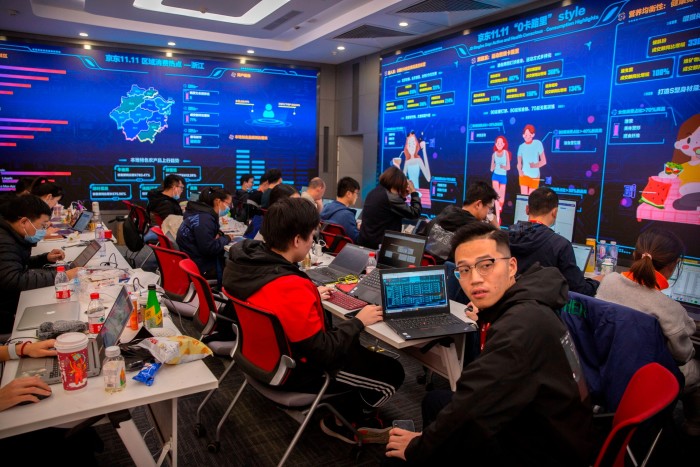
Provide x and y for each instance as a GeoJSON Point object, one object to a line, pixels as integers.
{"type": "Point", "coordinates": [37, 237]}
{"type": "Point", "coordinates": [224, 212]}
{"type": "Point", "coordinates": [176, 197]}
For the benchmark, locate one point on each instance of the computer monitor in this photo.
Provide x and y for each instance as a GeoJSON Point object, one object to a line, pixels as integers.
{"type": "Point", "coordinates": [566, 215]}
{"type": "Point", "coordinates": [685, 287]}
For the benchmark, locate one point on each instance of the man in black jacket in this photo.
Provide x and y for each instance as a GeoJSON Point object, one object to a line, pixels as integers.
{"type": "Point", "coordinates": [23, 224]}
{"type": "Point", "coordinates": [523, 401]}
{"type": "Point", "coordinates": [478, 203]}
{"type": "Point", "coordinates": [535, 242]}
{"type": "Point", "coordinates": [164, 201]}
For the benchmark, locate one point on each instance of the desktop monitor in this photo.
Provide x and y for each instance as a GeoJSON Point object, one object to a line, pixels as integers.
{"type": "Point", "coordinates": [566, 215]}
{"type": "Point", "coordinates": [685, 288]}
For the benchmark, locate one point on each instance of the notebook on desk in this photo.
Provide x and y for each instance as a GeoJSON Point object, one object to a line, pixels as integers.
{"type": "Point", "coordinates": [399, 250]}
{"type": "Point", "coordinates": [47, 368]}
{"type": "Point", "coordinates": [415, 303]}
{"type": "Point", "coordinates": [79, 225]}
{"type": "Point", "coordinates": [351, 261]}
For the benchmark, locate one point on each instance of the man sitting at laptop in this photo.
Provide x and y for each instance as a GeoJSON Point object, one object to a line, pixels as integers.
{"type": "Point", "coordinates": [535, 242]}
{"type": "Point", "coordinates": [523, 401]}
{"type": "Point", "coordinates": [266, 274]}
{"type": "Point", "coordinates": [24, 222]}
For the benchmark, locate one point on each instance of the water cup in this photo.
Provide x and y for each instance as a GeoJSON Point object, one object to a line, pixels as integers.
{"type": "Point", "coordinates": [306, 262]}
{"type": "Point", "coordinates": [73, 360]}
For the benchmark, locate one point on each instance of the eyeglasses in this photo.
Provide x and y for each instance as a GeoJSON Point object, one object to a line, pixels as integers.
{"type": "Point", "coordinates": [483, 267]}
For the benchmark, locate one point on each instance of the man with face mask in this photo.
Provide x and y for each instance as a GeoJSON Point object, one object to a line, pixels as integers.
{"type": "Point", "coordinates": [164, 201]}
{"type": "Point", "coordinates": [23, 223]}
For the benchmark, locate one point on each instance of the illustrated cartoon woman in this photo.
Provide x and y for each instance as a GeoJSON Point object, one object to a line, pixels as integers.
{"type": "Point", "coordinates": [415, 164]}
{"type": "Point", "coordinates": [687, 154]}
{"type": "Point", "coordinates": [530, 158]}
{"type": "Point", "coordinates": [500, 165]}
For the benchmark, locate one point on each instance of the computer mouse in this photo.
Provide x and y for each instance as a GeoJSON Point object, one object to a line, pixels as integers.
{"type": "Point", "coordinates": [38, 396]}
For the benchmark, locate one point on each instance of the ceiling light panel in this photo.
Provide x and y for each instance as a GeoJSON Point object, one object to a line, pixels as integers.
{"type": "Point", "coordinates": [261, 10]}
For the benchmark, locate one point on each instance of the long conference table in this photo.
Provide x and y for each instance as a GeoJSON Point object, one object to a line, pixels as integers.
{"type": "Point", "coordinates": [63, 409]}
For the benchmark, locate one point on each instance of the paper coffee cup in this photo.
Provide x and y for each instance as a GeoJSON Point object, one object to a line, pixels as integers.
{"type": "Point", "coordinates": [73, 360]}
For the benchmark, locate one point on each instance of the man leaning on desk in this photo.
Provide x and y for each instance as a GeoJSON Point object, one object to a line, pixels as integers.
{"type": "Point", "coordinates": [23, 223]}
{"type": "Point", "coordinates": [520, 402]}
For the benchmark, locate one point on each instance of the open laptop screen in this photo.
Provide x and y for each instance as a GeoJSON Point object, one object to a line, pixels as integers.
{"type": "Point", "coordinates": [413, 290]}
{"type": "Point", "coordinates": [582, 253]}
{"type": "Point", "coordinates": [400, 250]}
{"type": "Point", "coordinates": [566, 215]}
{"type": "Point", "coordinates": [685, 287]}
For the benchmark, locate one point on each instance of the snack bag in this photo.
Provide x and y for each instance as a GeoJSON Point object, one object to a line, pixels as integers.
{"type": "Point", "coordinates": [176, 349]}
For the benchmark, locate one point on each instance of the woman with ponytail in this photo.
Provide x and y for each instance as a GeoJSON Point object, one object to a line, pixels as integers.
{"type": "Point", "coordinates": [657, 254]}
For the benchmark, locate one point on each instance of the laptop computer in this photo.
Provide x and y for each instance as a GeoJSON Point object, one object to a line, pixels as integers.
{"type": "Point", "coordinates": [351, 260]}
{"type": "Point", "coordinates": [685, 288]}
{"type": "Point", "coordinates": [582, 253]}
{"type": "Point", "coordinates": [79, 225]}
{"type": "Point", "coordinates": [399, 250]}
{"type": "Point", "coordinates": [47, 368]}
{"type": "Point", "coordinates": [33, 316]}
{"type": "Point", "coordinates": [415, 303]}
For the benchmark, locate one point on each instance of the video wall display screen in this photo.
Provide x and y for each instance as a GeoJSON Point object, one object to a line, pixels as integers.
{"type": "Point", "coordinates": [108, 125]}
{"type": "Point", "coordinates": [598, 100]}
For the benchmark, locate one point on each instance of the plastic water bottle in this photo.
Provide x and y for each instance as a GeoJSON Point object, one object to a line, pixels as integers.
{"type": "Point", "coordinates": [114, 369]}
{"type": "Point", "coordinates": [62, 285]}
{"type": "Point", "coordinates": [96, 313]}
{"type": "Point", "coordinates": [100, 237]}
{"type": "Point", "coordinates": [371, 262]}
{"type": "Point", "coordinates": [601, 253]}
{"type": "Point", "coordinates": [612, 252]}
{"type": "Point", "coordinates": [83, 285]}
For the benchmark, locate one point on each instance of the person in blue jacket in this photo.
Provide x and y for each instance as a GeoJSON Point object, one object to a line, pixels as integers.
{"type": "Point", "coordinates": [340, 211]}
{"type": "Point", "coordinates": [199, 235]}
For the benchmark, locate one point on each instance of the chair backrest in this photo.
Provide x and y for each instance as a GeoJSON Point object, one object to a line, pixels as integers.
{"type": "Point", "coordinates": [204, 319]}
{"type": "Point", "coordinates": [330, 227]}
{"type": "Point", "coordinates": [173, 278]}
{"type": "Point", "coordinates": [614, 341]}
{"type": "Point", "coordinates": [139, 216]}
{"type": "Point", "coordinates": [263, 350]}
{"type": "Point", "coordinates": [155, 218]}
{"type": "Point", "coordinates": [334, 242]}
{"type": "Point", "coordinates": [428, 260]}
{"type": "Point", "coordinates": [163, 239]}
{"type": "Point", "coordinates": [652, 389]}
{"type": "Point", "coordinates": [133, 239]}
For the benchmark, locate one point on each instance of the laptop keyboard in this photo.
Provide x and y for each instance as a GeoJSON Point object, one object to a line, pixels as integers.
{"type": "Point", "coordinates": [55, 370]}
{"type": "Point", "coordinates": [372, 279]}
{"type": "Point", "coordinates": [407, 324]}
{"type": "Point", "coordinates": [346, 301]}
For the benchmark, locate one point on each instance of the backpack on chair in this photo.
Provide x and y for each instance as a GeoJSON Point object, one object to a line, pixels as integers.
{"type": "Point", "coordinates": [132, 239]}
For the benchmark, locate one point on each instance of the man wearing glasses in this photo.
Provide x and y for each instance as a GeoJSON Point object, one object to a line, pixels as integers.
{"type": "Point", "coordinates": [523, 401]}
{"type": "Point", "coordinates": [164, 201]}
{"type": "Point", "coordinates": [340, 211]}
{"type": "Point", "coordinates": [23, 223]}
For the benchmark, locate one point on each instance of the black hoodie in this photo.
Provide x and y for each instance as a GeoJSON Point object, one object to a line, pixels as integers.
{"type": "Point", "coordinates": [162, 204]}
{"type": "Point", "coordinates": [450, 219]}
{"type": "Point", "coordinates": [517, 403]}
{"type": "Point", "coordinates": [532, 243]}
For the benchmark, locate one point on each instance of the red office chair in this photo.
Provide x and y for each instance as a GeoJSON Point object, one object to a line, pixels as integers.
{"type": "Point", "coordinates": [264, 355]}
{"type": "Point", "coordinates": [652, 389]}
{"type": "Point", "coordinates": [163, 240]}
{"type": "Point", "coordinates": [334, 236]}
{"type": "Point", "coordinates": [136, 225]}
{"type": "Point", "coordinates": [205, 320]}
{"type": "Point", "coordinates": [428, 260]}
{"type": "Point", "coordinates": [175, 281]}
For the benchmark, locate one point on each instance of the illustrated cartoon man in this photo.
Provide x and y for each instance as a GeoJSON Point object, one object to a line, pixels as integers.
{"type": "Point", "coordinates": [530, 158]}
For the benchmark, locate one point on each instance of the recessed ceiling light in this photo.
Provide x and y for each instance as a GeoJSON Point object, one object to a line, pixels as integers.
{"type": "Point", "coordinates": [171, 44]}
{"type": "Point", "coordinates": [242, 61]}
{"type": "Point", "coordinates": [87, 47]}
{"type": "Point", "coordinates": [168, 54]}
{"type": "Point", "coordinates": [403, 24]}
{"type": "Point", "coordinates": [83, 34]}
{"type": "Point", "coordinates": [250, 51]}
{"type": "Point", "coordinates": [341, 47]}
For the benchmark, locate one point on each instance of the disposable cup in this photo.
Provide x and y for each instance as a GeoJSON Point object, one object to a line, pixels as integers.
{"type": "Point", "coordinates": [73, 360]}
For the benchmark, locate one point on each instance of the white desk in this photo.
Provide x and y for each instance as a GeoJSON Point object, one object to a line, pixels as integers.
{"type": "Point", "coordinates": [171, 382]}
{"type": "Point", "coordinates": [445, 361]}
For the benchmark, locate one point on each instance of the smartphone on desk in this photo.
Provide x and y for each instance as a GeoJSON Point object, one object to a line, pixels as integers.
{"type": "Point", "coordinates": [405, 424]}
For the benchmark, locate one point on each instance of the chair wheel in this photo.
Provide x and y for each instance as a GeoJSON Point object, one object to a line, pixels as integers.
{"type": "Point", "coordinates": [213, 446]}
{"type": "Point", "coordinates": [199, 430]}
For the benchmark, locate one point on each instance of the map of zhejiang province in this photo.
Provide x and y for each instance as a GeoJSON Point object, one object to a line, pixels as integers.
{"type": "Point", "coordinates": [142, 114]}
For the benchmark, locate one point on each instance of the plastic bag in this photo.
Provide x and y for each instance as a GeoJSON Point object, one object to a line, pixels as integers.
{"type": "Point", "coordinates": [176, 349]}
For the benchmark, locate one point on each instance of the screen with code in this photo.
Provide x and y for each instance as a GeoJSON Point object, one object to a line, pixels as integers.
{"type": "Point", "coordinates": [108, 125]}
{"type": "Point", "coordinates": [598, 100]}
{"type": "Point", "coordinates": [406, 291]}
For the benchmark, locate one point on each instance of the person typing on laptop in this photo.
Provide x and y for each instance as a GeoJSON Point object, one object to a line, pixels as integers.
{"type": "Point", "coordinates": [23, 223]}
{"type": "Point", "coordinates": [520, 402]}
{"type": "Point", "coordinates": [28, 388]}
{"type": "Point", "coordinates": [534, 241]}
{"type": "Point", "coordinates": [266, 274]}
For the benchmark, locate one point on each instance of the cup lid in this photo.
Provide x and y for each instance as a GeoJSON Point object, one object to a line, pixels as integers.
{"type": "Point", "coordinates": [68, 340]}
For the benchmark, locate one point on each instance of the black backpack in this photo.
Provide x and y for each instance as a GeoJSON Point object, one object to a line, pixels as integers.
{"type": "Point", "coordinates": [132, 237]}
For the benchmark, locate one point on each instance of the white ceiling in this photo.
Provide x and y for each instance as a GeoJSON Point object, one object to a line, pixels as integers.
{"type": "Point", "coordinates": [299, 30]}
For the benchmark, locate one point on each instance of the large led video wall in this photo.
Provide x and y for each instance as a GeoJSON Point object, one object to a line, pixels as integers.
{"type": "Point", "coordinates": [108, 125]}
{"type": "Point", "coordinates": [598, 100]}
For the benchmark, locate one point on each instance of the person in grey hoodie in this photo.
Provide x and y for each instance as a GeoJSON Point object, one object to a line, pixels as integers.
{"type": "Point", "coordinates": [535, 242]}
